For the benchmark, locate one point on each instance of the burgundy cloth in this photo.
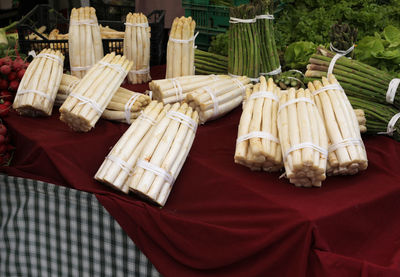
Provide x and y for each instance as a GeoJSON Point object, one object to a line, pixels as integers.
{"type": "Point", "coordinates": [221, 219]}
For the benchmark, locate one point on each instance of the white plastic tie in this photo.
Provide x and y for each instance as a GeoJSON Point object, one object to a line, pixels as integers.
{"type": "Point", "coordinates": [83, 22]}
{"type": "Point", "coordinates": [116, 67]}
{"type": "Point", "coordinates": [322, 151]}
{"type": "Point", "coordinates": [294, 101]}
{"type": "Point", "coordinates": [298, 71]}
{"type": "Point", "coordinates": [211, 92]}
{"type": "Point", "coordinates": [32, 53]}
{"type": "Point", "coordinates": [149, 93]}
{"type": "Point", "coordinates": [178, 90]}
{"type": "Point", "coordinates": [85, 100]}
{"type": "Point", "coordinates": [345, 143]}
{"type": "Point", "coordinates": [233, 75]}
{"type": "Point", "coordinates": [255, 80]}
{"type": "Point", "coordinates": [296, 79]}
{"type": "Point", "coordinates": [328, 87]}
{"type": "Point", "coordinates": [81, 68]}
{"type": "Point", "coordinates": [140, 71]}
{"type": "Point", "coordinates": [235, 20]}
{"type": "Point", "coordinates": [264, 94]}
{"type": "Point", "coordinates": [121, 163]}
{"type": "Point", "coordinates": [274, 72]}
{"type": "Point", "coordinates": [143, 25]}
{"type": "Point", "coordinates": [156, 170]}
{"type": "Point", "coordinates": [51, 57]}
{"type": "Point", "coordinates": [391, 125]}
{"type": "Point", "coordinates": [240, 85]}
{"type": "Point", "coordinates": [38, 92]}
{"type": "Point", "coordinates": [340, 53]}
{"type": "Point", "coordinates": [192, 39]}
{"type": "Point", "coordinates": [263, 135]}
{"type": "Point", "coordinates": [128, 107]}
{"type": "Point", "coordinates": [265, 16]}
{"type": "Point", "coordinates": [343, 52]}
{"type": "Point", "coordinates": [183, 118]}
{"type": "Point", "coordinates": [392, 89]}
{"type": "Point", "coordinates": [147, 118]}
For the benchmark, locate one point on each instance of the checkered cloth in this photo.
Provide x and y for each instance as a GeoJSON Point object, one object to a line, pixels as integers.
{"type": "Point", "coordinates": [48, 230]}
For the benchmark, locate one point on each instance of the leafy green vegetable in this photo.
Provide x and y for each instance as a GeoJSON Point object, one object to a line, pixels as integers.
{"type": "Point", "coordinates": [298, 53]}
{"type": "Point", "coordinates": [219, 44]}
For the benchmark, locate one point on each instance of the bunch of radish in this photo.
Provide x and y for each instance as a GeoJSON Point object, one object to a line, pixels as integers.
{"type": "Point", "coordinates": [11, 72]}
{"type": "Point", "coordinates": [6, 148]}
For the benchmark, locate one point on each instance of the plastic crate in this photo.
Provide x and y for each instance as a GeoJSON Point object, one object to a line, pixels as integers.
{"type": "Point", "coordinates": [44, 15]}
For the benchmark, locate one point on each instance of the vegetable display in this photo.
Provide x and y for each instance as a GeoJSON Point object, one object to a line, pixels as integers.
{"type": "Point", "coordinates": [87, 101]}
{"type": "Point", "coordinates": [84, 41]}
{"type": "Point", "coordinates": [303, 138]}
{"type": "Point", "coordinates": [137, 47]}
{"type": "Point", "coordinates": [209, 63]}
{"type": "Point", "coordinates": [346, 152]}
{"type": "Point", "coordinates": [218, 98]}
{"type": "Point", "coordinates": [180, 48]}
{"type": "Point", "coordinates": [257, 145]}
{"type": "Point", "coordinates": [38, 87]}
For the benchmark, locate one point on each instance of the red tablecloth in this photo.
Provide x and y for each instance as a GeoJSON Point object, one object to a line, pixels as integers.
{"type": "Point", "coordinates": [221, 219]}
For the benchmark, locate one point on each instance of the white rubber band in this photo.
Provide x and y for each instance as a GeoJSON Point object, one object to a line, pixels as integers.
{"type": "Point", "coordinates": [147, 118]}
{"type": "Point", "coordinates": [85, 100]}
{"type": "Point", "coordinates": [144, 25]}
{"type": "Point", "coordinates": [178, 90]}
{"type": "Point", "coordinates": [340, 53]}
{"type": "Point", "coordinates": [323, 151]}
{"type": "Point", "coordinates": [128, 107]}
{"type": "Point", "coordinates": [296, 79]}
{"type": "Point", "coordinates": [184, 40]}
{"type": "Point", "coordinates": [235, 20]}
{"type": "Point", "coordinates": [80, 68]}
{"type": "Point", "coordinates": [391, 125]}
{"type": "Point", "coordinates": [343, 52]}
{"type": "Point", "coordinates": [328, 87]}
{"type": "Point", "coordinates": [183, 118]}
{"type": "Point", "coordinates": [211, 92]}
{"type": "Point", "coordinates": [233, 75]}
{"type": "Point", "coordinates": [274, 72]}
{"type": "Point", "coordinates": [257, 134]}
{"type": "Point", "coordinates": [240, 85]}
{"type": "Point", "coordinates": [265, 16]}
{"type": "Point", "coordinates": [149, 93]}
{"type": "Point", "coordinates": [83, 22]}
{"type": "Point", "coordinates": [156, 170]}
{"type": "Point", "coordinates": [114, 66]}
{"type": "Point", "coordinates": [344, 143]}
{"type": "Point", "coordinates": [298, 71]}
{"type": "Point", "coordinates": [392, 89]}
{"type": "Point", "coordinates": [121, 163]}
{"type": "Point", "coordinates": [51, 57]}
{"type": "Point", "coordinates": [38, 92]}
{"type": "Point", "coordinates": [140, 71]}
{"type": "Point", "coordinates": [256, 80]}
{"type": "Point", "coordinates": [296, 100]}
{"type": "Point", "coordinates": [264, 94]}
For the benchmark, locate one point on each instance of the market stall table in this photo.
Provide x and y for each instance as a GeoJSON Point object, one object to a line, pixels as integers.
{"type": "Point", "coordinates": [221, 219]}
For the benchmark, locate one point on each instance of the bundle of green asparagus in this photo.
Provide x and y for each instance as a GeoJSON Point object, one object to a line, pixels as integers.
{"type": "Point", "coordinates": [244, 57]}
{"type": "Point", "coordinates": [137, 47]}
{"type": "Point", "coordinates": [87, 101]}
{"type": "Point", "coordinates": [257, 145]}
{"type": "Point", "coordinates": [303, 138]}
{"type": "Point", "coordinates": [180, 48]}
{"type": "Point", "coordinates": [175, 89]}
{"type": "Point", "coordinates": [84, 40]}
{"type": "Point", "coordinates": [125, 105]}
{"type": "Point", "coordinates": [343, 37]}
{"type": "Point", "coordinates": [218, 98]}
{"type": "Point", "coordinates": [270, 64]}
{"type": "Point", "coordinates": [357, 79]}
{"type": "Point", "coordinates": [346, 152]}
{"type": "Point", "coordinates": [38, 87]}
{"type": "Point", "coordinates": [210, 63]}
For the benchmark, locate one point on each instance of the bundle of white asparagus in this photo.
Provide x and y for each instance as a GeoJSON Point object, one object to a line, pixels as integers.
{"type": "Point", "coordinates": [125, 105]}
{"type": "Point", "coordinates": [84, 40]}
{"type": "Point", "coordinates": [303, 138]}
{"type": "Point", "coordinates": [147, 160]}
{"type": "Point", "coordinates": [175, 89]}
{"type": "Point", "coordinates": [137, 47]}
{"type": "Point", "coordinates": [362, 121]}
{"type": "Point", "coordinates": [87, 101]}
{"type": "Point", "coordinates": [38, 87]}
{"type": "Point", "coordinates": [347, 153]}
{"type": "Point", "coordinates": [180, 48]}
{"type": "Point", "coordinates": [257, 145]}
{"type": "Point", "coordinates": [218, 98]}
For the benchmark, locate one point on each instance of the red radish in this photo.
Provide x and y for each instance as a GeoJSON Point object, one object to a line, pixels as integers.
{"type": "Point", "coordinates": [12, 76]}
{"type": "Point", "coordinates": [14, 85]}
{"type": "Point", "coordinates": [21, 73]}
{"type": "Point", "coordinates": [2, 139]}
{"type": "Point", "coordinates": [3, 84]}
{"type": "Point", "coordinates": [18, 63]}
{"type": "Point", "coordinates": [5, 60]}
{"type": "Point", "coordinates": [4, 110]}
{"type": "Point", "coordinates": [3, 129]}
{"type": "Point", "coordinates": [6, 95]}
{"type": "Point", "coordinates": [5, 69]}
